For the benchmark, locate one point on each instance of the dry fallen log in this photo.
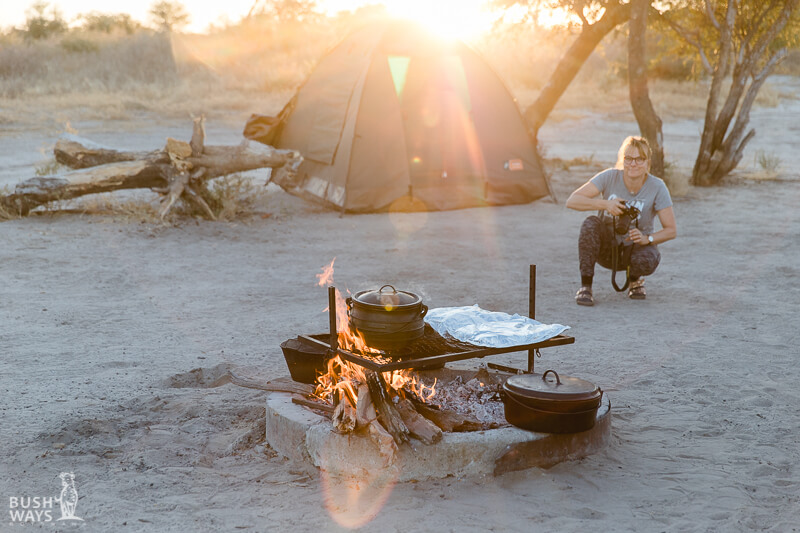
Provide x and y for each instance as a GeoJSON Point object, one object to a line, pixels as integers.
{"type": "Point", "coordinates": [76, 152]}
{"type": "Point", "coordinates": [387, 414]}
{"type": "Point", "coordinates": [179, 170]}
{"type": "Point", "coordinates": [419, 427]}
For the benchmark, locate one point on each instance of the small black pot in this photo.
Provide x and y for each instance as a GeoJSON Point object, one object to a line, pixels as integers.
{"type": "Point", "coordinates": [561, 405]}
{"type": "Point", "coordinates": [387, 319]}
{"type": "Point", "coordinates": [305, 360]}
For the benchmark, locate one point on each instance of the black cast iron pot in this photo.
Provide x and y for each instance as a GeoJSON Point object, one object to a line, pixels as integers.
{"type": "Point", "coordinates": [386, 318]}
{"type": "Point", "coordinates": [561, 404]}
{"type": "Point", "coordinates": [306, 360]}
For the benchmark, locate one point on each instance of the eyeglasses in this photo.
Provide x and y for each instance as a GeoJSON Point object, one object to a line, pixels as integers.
{"type": "Point", "coordinates": [630, 160]}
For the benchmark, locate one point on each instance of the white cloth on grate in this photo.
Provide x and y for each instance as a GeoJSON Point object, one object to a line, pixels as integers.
{"type": "Point", "coordinates": [489, 328]}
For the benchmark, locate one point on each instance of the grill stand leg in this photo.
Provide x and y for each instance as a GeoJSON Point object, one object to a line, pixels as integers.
{"type": "Point", "coordinates": [333, 341]}
{"type": "Point", "coordinates": [532, 313]}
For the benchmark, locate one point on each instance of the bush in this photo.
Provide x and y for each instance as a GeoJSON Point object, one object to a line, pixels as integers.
{"type": "Point", "coordinates": [39, 26]}
{"type": "Point", "coordinates": [78, 45]}
{"type": "Point", "coordinates": [104, 23]}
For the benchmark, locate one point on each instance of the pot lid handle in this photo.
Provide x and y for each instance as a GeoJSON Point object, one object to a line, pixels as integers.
{"type": "Point", "coordinates": [380, 291]}
{"type": "Point", "coordinates": [558, 379]}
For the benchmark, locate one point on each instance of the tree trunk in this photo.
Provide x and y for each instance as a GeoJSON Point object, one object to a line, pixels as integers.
{"type": "Point", "coordinates": [722, 146]}
{"type": "Point", "coordinates": [569, 65]}
{"type": "Point", "coordinates": [646, 116]}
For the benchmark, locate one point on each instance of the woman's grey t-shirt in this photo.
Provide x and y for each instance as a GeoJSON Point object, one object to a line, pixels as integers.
{"type": "Point", "coordinates": [651, 198]}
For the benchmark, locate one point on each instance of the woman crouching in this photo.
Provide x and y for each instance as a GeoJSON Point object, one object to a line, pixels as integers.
{"type": "Point", "coordinates": [611, 193]}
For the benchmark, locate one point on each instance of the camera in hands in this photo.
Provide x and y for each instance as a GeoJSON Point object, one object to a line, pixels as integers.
{"type": "Point", "coordinates": [622, 222]}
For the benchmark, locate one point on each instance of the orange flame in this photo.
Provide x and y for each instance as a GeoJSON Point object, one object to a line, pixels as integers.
{"type": "Point", "coordinates": [326, 276]}
{"type": "Point", "coordinates": [344, 376]}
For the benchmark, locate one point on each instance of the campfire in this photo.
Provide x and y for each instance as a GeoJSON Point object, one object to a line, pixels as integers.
{"type": "Point", "coordinates": [391, 407]}
{"type": "Point", "coordinates": [383, 397]}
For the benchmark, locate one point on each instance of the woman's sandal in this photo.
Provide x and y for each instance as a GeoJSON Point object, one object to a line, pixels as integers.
{"type": "Point", "coordinates": [584, 296]}
{"type": "Point", "coordinates": [636, 291]}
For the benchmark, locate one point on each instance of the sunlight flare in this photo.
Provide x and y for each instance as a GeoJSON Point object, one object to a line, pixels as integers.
{"type": "Point", "coordinates": [448, 19]}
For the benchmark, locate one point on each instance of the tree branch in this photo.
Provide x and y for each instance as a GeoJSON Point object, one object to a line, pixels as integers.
{"type": "Point", "coordinates": [690, 40]}
{"type": "Point", "coordinates": [709, 10]}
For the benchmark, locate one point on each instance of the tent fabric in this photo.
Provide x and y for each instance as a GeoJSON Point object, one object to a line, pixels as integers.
{"type": "Point", "coordinates": [393, 117]}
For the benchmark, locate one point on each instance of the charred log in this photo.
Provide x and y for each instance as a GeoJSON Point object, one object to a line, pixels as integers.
{"type": "Point", "coordinates": [419, 427]}
{"type": "Point", "coordinates": [387, 414]}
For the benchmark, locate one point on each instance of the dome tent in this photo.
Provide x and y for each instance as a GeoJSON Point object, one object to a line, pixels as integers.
{"type": "Point", "coordinates": [393, 118]}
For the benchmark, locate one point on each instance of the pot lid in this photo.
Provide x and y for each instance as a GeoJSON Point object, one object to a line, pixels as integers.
{"type": "Point", "coordinates": [387, 297]}
{"type": "Point", "coordinates": [551, 386]}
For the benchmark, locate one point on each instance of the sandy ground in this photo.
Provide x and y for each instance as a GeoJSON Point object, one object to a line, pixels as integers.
{"type": "Point", "coordinates": [103, 320]}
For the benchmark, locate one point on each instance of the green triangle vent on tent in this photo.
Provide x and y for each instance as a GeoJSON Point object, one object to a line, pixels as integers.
{"type": "Point", "coordinates": [398, 65]}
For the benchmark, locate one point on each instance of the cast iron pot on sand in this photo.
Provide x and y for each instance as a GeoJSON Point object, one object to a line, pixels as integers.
{"type": "Point", "coordinates": [386, 318]}
{"type": "Point", "coordinates": [561, 405]}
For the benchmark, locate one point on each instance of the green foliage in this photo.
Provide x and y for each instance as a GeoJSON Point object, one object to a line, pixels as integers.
{"type": "Point", "coordinates": [685, 29]}
{"type": "Point", "coordinates": [38, 25]}
{"type": "Point", "coordinates": [169, 15]}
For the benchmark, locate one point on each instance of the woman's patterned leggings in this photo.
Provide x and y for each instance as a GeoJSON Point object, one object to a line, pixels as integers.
{"type": "Point", "coordinates": [594, 246]}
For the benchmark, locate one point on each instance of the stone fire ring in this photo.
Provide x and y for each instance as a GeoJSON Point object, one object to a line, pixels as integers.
{"type": "Point", "coordinates": [302, 435]}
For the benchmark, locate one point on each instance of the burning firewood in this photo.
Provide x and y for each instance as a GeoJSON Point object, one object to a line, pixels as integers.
{"type": "Point", "coordinates": [366, 417]}
{"type": "Point", "coordinates": [418, 426]}
{"type": "Point", "coordinates": [387, 414]}
{"type": "Point", "coordinates": [344, 417]}
{"type": "Point", "coordinates": [323, 408]}
{"type": "Point", "coordinates": [365, 411]}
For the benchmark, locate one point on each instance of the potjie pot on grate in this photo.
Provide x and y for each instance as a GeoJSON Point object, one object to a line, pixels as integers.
{"type": "Point", "coordinates": [386, 318]}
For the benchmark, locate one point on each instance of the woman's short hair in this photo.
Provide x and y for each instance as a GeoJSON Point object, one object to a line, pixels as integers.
{"type": "Point", "coordinates": [640, 143]}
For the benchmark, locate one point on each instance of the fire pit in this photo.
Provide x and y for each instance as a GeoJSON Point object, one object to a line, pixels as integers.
{"type": "Point", "coordinates": [370, 412]}
{"type": "Point", "coordinates": [309, 438]}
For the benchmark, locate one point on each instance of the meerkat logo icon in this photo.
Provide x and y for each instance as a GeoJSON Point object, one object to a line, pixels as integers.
{"type": "Point", "coordinates": [69, 497]}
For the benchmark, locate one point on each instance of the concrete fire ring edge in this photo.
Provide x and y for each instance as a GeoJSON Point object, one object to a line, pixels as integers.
{"type": "Point", "coordinates": [301, 435]}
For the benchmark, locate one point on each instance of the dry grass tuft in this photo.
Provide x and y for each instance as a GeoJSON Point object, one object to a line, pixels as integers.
{"type": "Point", "coordinates": [231, 197]}
{"type": "Point", "coordinates": [767, 166]}
{"type": "Point", "coordinates": [678, 179]}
